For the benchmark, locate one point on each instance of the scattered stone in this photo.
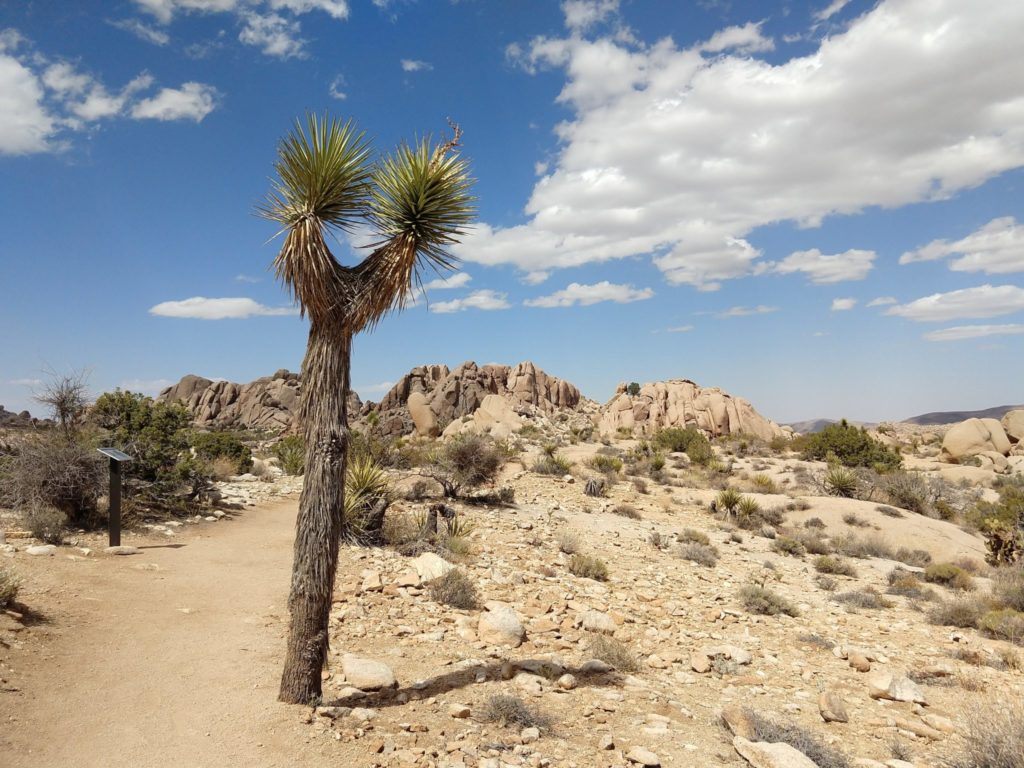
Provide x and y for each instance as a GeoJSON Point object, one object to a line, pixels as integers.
{"type": "Point", "coordinates": [123, 549]}
{"type": "Point", "coordinates": [459, 711]}
{"type": "Point", "coordinates": [529, 735]}
{"type": "Point", "coordinates": [567, 682]}
{"type": "Point", "coordinates": [41, 550]}
{"type": "Point", "coordinates": [736, 718]}
{"type": "Point", "coordinates": [430, 566]}
{"type": "Point", "coordinates": [832, 708]}
{"type": "Point", "coordinates": [606, 742]}
{"type": "Point", "coordinates": [602, 623]}
{"type": "Point", "coordinates": [499, 625]}
{"type": "Point", "coordinates": [367, 674]}
{"type": "Point", "coordinates": [859, 661]}
{"type": "Point", "coordinates": [642, 756]}
{"type": "Point", "coordinates": [885, 685]}
{"type": "Point", "coordinates": [761, 754]}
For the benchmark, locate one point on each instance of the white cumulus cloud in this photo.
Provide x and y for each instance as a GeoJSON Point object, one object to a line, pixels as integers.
{"type": "Point", "coordinates": [831, 10]}
{"type": "Point", "coordinates": [412, 65]}
{"type": "Point", "coordinates": [585, 295]}
{"type": "Point", "coordinates": [581, 14]}
{"type": "Point", "coordinates": [485, 299]}
{"type": "Point", "coordinates": [202, 308]}
{"type": "Point", "coordinates": [458, 280]}
{"type": "Point", "coordinates": [883, 301]}
{"type": "Point", "coordinates": [681, 155]}
{"type": "Point", "coordinates": [143, 31]}
{"type": "Point", "coordinates": [968, 303]}
{"type": "Point", "coordinates": [843, 305]}
{"type": "Point", "coordinates": [274, 35]}
{"type": "Point", "coordinates": [996, 248]}
{"type": "Point", "coordinates": [193, 101]}
{"type": "Point", "coordinates": [745, 39]}
{"type": "Point", "coordinates": [823, 268]}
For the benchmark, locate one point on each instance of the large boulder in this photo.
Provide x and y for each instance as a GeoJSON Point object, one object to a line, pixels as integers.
{"type": "Point", "coordinates": [682, 403]}
{"type": "Point", "coordinates": [494, 417]}
{"type": "Point", "coordinates": [422, 417]}
{"type": "Point", "coordinates": [1013, 425]}
{"type": "Point", "coordinates": [974, 437]}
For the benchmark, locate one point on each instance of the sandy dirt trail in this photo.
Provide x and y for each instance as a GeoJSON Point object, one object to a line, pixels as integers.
{"type": "Point", "coordinates": [166, 658]}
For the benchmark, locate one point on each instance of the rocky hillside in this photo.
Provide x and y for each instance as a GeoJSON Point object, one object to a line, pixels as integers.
{"type": "Point", "coordinates": [434, 398]}
{"type": "Point", "coordinates": [8, 419]}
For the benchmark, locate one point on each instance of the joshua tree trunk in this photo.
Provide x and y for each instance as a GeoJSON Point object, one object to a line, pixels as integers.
{"type": "Point", "coordinates": [325, 423]}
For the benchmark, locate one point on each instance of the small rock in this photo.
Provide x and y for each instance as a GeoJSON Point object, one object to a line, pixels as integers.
{"type": "Point", "coordinates": [372, 582]}
{"type": "Point", "coordinates": [123, 550]}
{"type": "Point", "coordinates": [859, 661]}
{"type": "Point", "coordinates": [459, 711]}
{"type": "Point", "coordinates": [739, 723]}
{"type": "Point", "coordinates": [430, 566]}
{"type": "Point", "coordinates": [567, 682]}
{"type": "Point", "coordinates": [529, 735]}
{"type": "Point", "coordinates": [499, 625]}
{"type": "Point", "coordinates": [885, 685]}
{"type": "Point", "coordinates": [832, 708]}
{"type": "Point", "coordinates": [602, 623]}
{"type": "Point", "coordinates": [761, 754]}
{"type": "Point", "coordinates": [642, 756]}
{"type": "Point", "coordinates": [41, 550]}
{"type": "Point", "coordinates": [700, 663]}
{"type": "Point", "coordinates": [606, 742]}
{"type": "Point", "coordinates": [367, 674]}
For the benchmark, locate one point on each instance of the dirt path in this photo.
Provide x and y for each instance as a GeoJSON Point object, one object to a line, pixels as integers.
{"type": "Point", "coordinates": [166, 658]}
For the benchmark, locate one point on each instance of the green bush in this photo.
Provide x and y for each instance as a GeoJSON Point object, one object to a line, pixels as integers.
{"type": "Point", "coordinates": [1005, 623]}
{"type": "Point", "coordinates": [788, 546]}
{"type": "Point", "coordinates": [228, 445]}
{"type": "Point", "coordinates": [834, 565]}
{"type": "Point", "coordinates": [839, 481]}
{"type": "Point", "coordinates": [851, 446]}
{"type": "Point", "coordinates": [551, 465]}
{"type": "Point", "coordinates": [155, 435]}
{"type": "Point", "coordinates": [465, 461]}
{"type": "Point", "coordinates": [758, 599]}
{"type": "Point", "coordinates": [291, 452]}
{"type": "Point", "coordinates": [949, 575]}
{"type": "Point", "coordinates": [1002, 522]}
{"type": "Point", "coordinates": [677, 439]}
{"type": "Point", "coordinates": [727, 501]}
{"type": "Point", "coordinates": [588, 567]}
{"type": "Point", "coordinates": [633, 389]}
{"type": "Point", "coordinates": [605, 464]}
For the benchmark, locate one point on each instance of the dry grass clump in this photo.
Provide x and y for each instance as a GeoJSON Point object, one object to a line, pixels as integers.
{"type": "Point", "coordinates": [994, 737]}
{"type": "Point", "coordinates": [613, 652]}
{"type": "Point", "coordinates": [798, 737]}
{"type": "Point", "coordinates": [45, 522]}
{"type": "Point", "coordinates": [1005, 623]}
{"type": "Point", "coordinates": [702, 554]}
{"type": "Point", "coordinates": [758, 599]}
{"type": "Point", "coordinates": [763, 483]}
{"type": "Point", "coordinates": [962, 611]}
{"type": "Point", "coordinates": [568, 542]}
{"type": "Point", "coordinates": [834, 565]}
{"type": "Point", "coordinates": [1008, 586]}
{"type": "Point", "coordinates": [10, 583]}
{"type": "Point", "coordinates": [786, 545]}
{"type": "Point", "coordinates": [863, 547]}
{"type": "Point", "coordinates": [691, 535]}
{"type": "Point", "coordinates": [868, 598]}
{"type": "Point", "coordinates": [627, 510]}
{"type": "Point", "coordinates": [513, 711]}
{"type": "Point", "coordinates": [889, 511]}
{"type": "Point", "coordinates": [814, 522]}
{"type": "Point", "coordinates": [588, 567]}
{"type": "Point", "coordinates": [826, 583]}
{"type": "Point", "coordinates": [851, 518]}
{"type": "Point", "coordinates": [814, 542]}
{"type": "Point", "coordinates": [906, 584]}
{"type": "Point", "coordinates": [916, 557]}
{"type": "Point", "coordinates": [949, 575]}
{"type": "Point", "coordinates": [454, 588]}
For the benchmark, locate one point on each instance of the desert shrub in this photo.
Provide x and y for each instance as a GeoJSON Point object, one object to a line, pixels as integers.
{"type": "Point", "coordinates": [626, 510]}
{"type": "Point", "coordinates": [889, 511]}
{"type": "Point", "coordinates": [52, 470]}
{"type": "Point", "coordinates": [727, 501]}
{"type": "Point", "coordinates": [1002, 522]}
{"type": "Point", "coordinates": [291, 452]}
{"type": "Point", "coordinates": [916, 557]}
{"type": "Point", "coordinates": [906, 584]}
{"type": "Point", "coordinates": [1004, 623]}
{"type": "Point", "coordinates": [509, 711]}
{"type": "Point", "coordinates": [551, 465]}
{"type": "Point", "coordinates": [613, 652]}
{"type": "Point", "coordinates": [827, 583]}
{"type": "Point", "coordinates": [907, 490]}
{"type": "Point", "coordinates": [962, 611]}
{"type": "Point", "coordinates": [814, 542]}
{"type": "Point", "coordinates": [764, 483]}
{"type": "Point", "coordinates": [780, 443]}
{"type": "Point", "coordinates": [690, 535]}
{"type": "Point", "coordinates": [155, 435]}
{"type": "Point", "coordinates": [567, 542]}
{"type": "Point", "coordinates": [419, 490]}
{"type": "Point", "coordinates": [840, 481]}
{"type": "Point", "coordinates": [747, 507]}
{"type": "Point", "coordinates": [855, 520]}
{"type": "Point", "coordinates": [851, 446]}
{"type": "Point", "coordinates": [701, 453]}
{"type": "Point", "coordinates": [834, 565]}
{"type": "Point", "coordinates": [605, 464]}
{"type": "Point", "coordinates": [785, 545]}
{"type": "Point", "coordinates": [595, 486]}
{"type": "Point", "coordinates": [44, 522]}
{"type": "Point", "coordinates": [454, 588]}
{"type": "Point", "coordinates": [677, 439]}
{"type": "Point", "coordinates": [863, 547]}
{"type": "Point", "coordinates": [588, 567]}
{"type": "Point", "coordinates": [759, 599]}
{"type": "Point", "coordinates": [864, 598]}
{"type": "Point", "coordinates": [798, 737]}
{"type": "Point", "coordinates": [10, 583]}
{"type": "Point", "coordinates": [640, 485]}
{"type": "Point", "coordinates": [814, 522]}
{"type": "Point", "coordinates": [227, 445]}
{"type": "Point", "coordinates": [949, 575]}
{"type": "Point", "coordinates": [702, 554]}
{"type": "Point", "coordinates": [994, 736]}
{"type": "Point", "coordinates": [656, 539]}
{"type": "Point", "coordinates": [465, 461]}
{"type": "Point", "coordinates": [368, 494]}
{"type": "Point", "coordinates": [1008, 587]}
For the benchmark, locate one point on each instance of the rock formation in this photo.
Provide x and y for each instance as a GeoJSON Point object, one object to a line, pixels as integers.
{"type": "Point", "coordinates": [452, 394]}
{"type": "Point", "coordinates": [682, 403]}
{"type": "Point", "coordinates": [270, 402]}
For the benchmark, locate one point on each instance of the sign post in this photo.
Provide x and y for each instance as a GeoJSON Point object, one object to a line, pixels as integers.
{"type": "Point", "coordinates": [114, 521]}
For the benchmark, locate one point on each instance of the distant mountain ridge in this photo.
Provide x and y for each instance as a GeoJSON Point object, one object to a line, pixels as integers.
{"type": "Point", "coordinates": [952, 417]}
{"type": "Point", "coordinates": [809, 426]}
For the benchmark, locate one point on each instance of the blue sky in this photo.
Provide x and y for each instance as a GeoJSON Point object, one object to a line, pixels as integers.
{"type": "Point", "coordinates": [814, 205]}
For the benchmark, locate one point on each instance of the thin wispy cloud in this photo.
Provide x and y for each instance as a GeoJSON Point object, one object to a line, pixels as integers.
{"type": "Point", "coordinates": [243, 278]}
{"type": "Point", "coordinates": [337, 88]}
{"type": "Point", "coordinates": [585, 295]}
{"type": "Point", "coordinates": [996, 248]}
{"type": "Point", "coordinates": [883, 301]}
{"type": "Point", "coordinates": [26, 382]}
{"type": "Point", "coordinates": [967, 303]}
{"type": "Point", "coordinates": [964, 332]}
{"type": "Point", "coordinates": [458, 280]}
{"type": "Point", "coordinates": [831, 10]}
{"type": "Point", "coordinates": [142, 31]}
{"type": "Point", "coordinates": [679, 329]}
{"type": "Point", "coordinates": [486, 299]}
{"type": "Point", "coordinates": [414, 65]}
{"type": "Point", "coordinates": [202, 308]}
{"type": "Point", "coordinates": [823, 269]}
{"type": "Point", "coordinates": [761, 309]}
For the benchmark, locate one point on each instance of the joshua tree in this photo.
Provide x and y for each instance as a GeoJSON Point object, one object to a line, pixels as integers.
{"type": "Point", "coordinates": [418, 202]}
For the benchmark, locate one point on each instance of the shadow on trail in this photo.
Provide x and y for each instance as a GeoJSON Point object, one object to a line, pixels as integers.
{"type": "Point", "coordinates": [467, 676]}
{"type": "Point", "coordinates": [162, 546]}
